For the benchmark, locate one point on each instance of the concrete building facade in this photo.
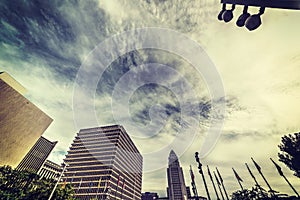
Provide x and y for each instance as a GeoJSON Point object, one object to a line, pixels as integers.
{"type": "Point", "coordinates": [21, 122]}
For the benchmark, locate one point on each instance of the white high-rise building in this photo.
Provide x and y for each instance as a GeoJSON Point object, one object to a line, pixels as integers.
{"type": "Point", "coordinates": [176, 185]}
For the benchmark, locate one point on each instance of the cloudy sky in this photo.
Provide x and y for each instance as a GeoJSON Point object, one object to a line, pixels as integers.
{"type": "Point", "coordinates": [159, 96]}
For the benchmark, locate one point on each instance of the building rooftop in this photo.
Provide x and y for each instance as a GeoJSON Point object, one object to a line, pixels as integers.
{"type": "Point", "coordinates": [12, 83]}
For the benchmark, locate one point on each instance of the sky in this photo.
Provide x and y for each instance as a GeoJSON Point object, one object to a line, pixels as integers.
{"type": "Point", "coordinates": [162, 98]}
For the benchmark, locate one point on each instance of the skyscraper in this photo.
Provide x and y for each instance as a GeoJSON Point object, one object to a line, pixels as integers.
{"type": "Point", "coordinates": [176, 185]}
{"type": "Point", "coordinates": [104, 163]}
{"type": "Point", "coordinates": [37, 155]}
{"type": "Point", "coordinates": [21, 122]}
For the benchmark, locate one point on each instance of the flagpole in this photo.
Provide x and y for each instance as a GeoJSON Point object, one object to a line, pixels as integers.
{"type": "Point", "coordinates": [99, 184]}
{"type": "Point", "coordinates": [193, 184]}
{"type": "Point", "coordinates": [221, 180]}
{"type": "Point", "coordinates": [291, 186]}
{"type": "Point", "coordinates": [212, 181]}
{"type": "Point", "coordinates": [201, 172]}
{"type": "Point", "coordinates": [250, 172]}
{"type": "Point", "coordinates": [281, 174]}
{"type": "Point", "coordinates": [90, 187]}
{"type": "Point", "coordinates": [107, 188]}
{"type": "Point", "coordinates": [123, 188]}
{"type": "Point", "coordinates": [62, 172]}
{"type": "Point", "coordinates": [117, 186]}
{"type": "Point", "coordinates": [260, 172]}
{"type": "Point", "coordinates": [238, 178]}
{"type": "Point", "coordinates": [79, 185]}
{"type": "Point", "coordinates": [219, 185]}
{"type": "Point", "coordinates": [72, 178]}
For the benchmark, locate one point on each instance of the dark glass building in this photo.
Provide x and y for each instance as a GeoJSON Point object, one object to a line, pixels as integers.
{"type": "Point", "coordinates": [104, 163]}
{"type": "Point", "coordinates": [176, 186]}
{"type": "Point", "coordinates": [37, 155]}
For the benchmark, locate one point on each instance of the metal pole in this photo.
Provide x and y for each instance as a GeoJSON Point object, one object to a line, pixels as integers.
{"type": "Point", "coordinates": [291, 185]}
{"type": "Point", "coordinates": [62, 172]}
{"type": "Point", "coordinates": [201, 172]}
{"type": "Point", "coordinates": [254, 178]}
{"type": "Point", "coordinates": [252, 175]}
{"type": "Point", "coordinates": [238, 178]}
{"type": "Point", "coordinates": [260, 172]}
{"type": "Point", "coordinates": [221, 180]}
{"type": "Point", "coordinates": [213, 183]}
{"type": "Point", "coordinates": [219, 185]}
{"type": "Point", "coordinates": [194, 188]}
{"type": "Point", "coordinates": [281, 174]}
{"type": "Point", "coordinates": [240, 185]}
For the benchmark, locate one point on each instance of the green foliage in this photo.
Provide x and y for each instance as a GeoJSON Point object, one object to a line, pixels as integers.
{"type": "Point", "coordinates": [290, 152]}
{"type": "Point", "coordinates": [25, 185]}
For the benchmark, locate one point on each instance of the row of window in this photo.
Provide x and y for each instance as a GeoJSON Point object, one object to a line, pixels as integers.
{"type": "Point", "coordinates": [98, 134]}
{"type": "Point", "coordinates": [109, 148]}
{"type": "Point", "coordinates": [89, 159]}
{"type": "Point", "coordinates": [74, 156]}
{"type": "Point", "coordinates": [96, 145]}
{"type": "Point", "coordinates": [100, 129]}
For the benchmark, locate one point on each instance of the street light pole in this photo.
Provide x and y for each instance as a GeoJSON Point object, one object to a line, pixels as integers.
{"type": "Point", "coordinates": [61, 174]}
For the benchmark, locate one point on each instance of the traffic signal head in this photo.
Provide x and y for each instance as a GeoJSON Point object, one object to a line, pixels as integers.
{"type": "Point", "coordinates": [227, 15]}
{"type": "Point", "coordinates": [243, 17]}
{"type": "Point", "coordinates": [253, 22]}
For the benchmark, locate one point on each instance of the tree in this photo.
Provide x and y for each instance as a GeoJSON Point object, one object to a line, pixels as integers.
{"type": "Point", "coordinates": [26, 185]}
{"type": "Point", "coordinates": [258, 193]}
{"type": "Point", "coordinates": [290, 152]}
{"type": "Point", "coordinates": [255, 193]}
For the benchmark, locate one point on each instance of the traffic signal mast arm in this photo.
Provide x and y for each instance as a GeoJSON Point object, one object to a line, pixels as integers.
{"type": "Point", "coordinates": [282, 4]}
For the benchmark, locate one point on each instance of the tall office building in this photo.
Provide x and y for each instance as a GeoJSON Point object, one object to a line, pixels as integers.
{"type": "Point", "coordinates": [176, 185]}
{"type": "Point", "coordinates": [37, 155]}
{"type": "Point", "coordinates": [104, 163]}
{"type": "Point", "coordinates": [21, 122]}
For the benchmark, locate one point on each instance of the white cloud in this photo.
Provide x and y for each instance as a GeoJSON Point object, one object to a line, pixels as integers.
{"type": "Point", "coordinates": [259, 69]}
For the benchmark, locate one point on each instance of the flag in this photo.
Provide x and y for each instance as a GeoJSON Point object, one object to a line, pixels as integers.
{"type": "Point", "coordinates": [64, 184]}
{"type": "Point", "coordinates": [192, 174]}
{"type": "Point", "coordinates": [237, 176]}
{"type": "Point", "coordinates": [99, 182]}
{"type": "Point", "coordinates": [217, 179]}
{"type": "Point", "coordinates": [221, 180]}
{"type": "Point", "coordinates": [256, 165]}
{"type": "Point", "coordinates": [278, 167]}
